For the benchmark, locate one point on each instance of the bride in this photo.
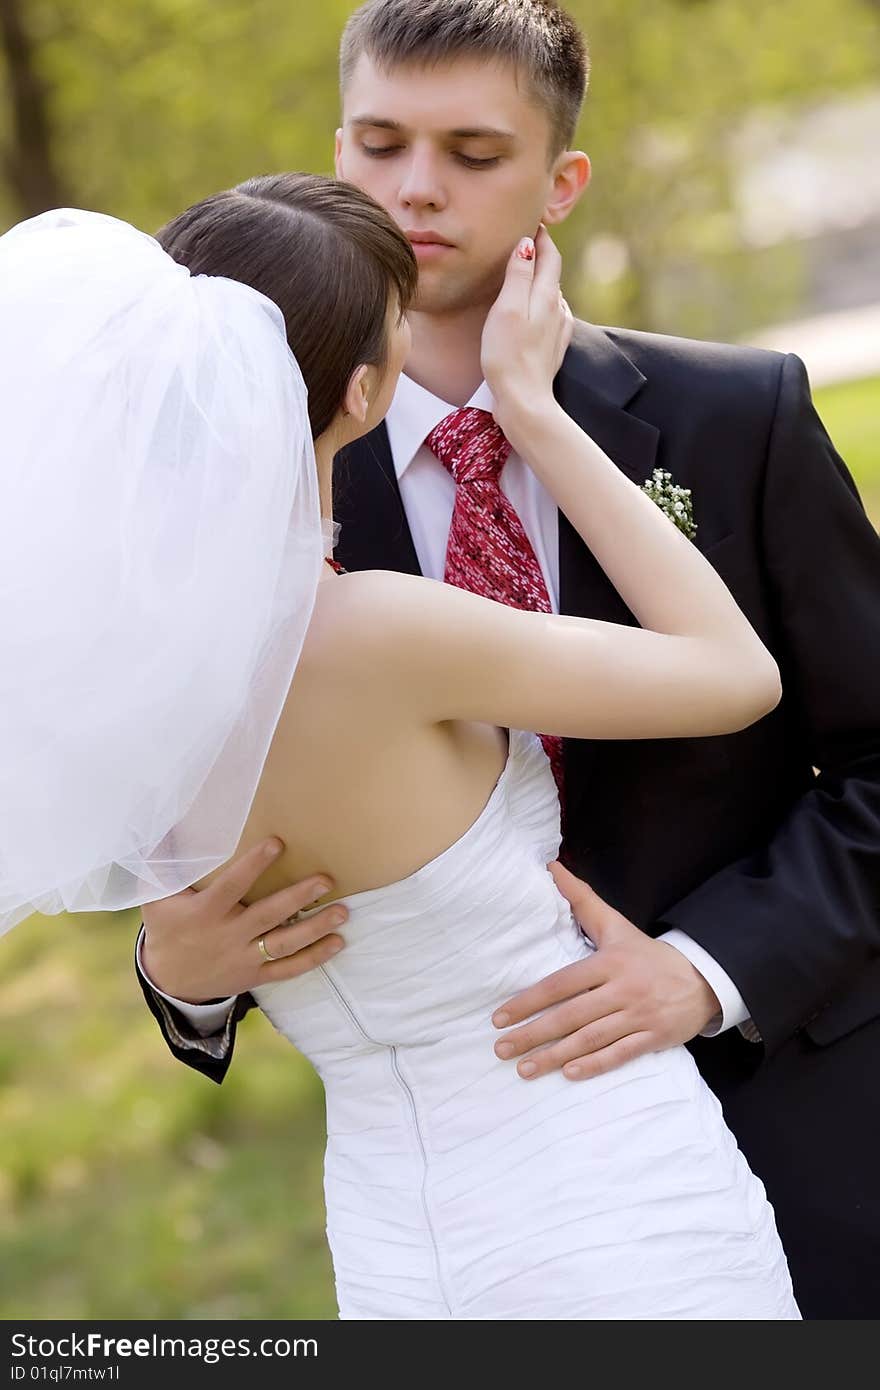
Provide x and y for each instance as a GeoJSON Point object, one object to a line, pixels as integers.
{"type": "Point", "coordinates": [186, 675]}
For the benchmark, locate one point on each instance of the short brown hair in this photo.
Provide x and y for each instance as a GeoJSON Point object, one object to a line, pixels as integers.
{"type": "Point", "coordinates": [538, 37]}
{"type": "Point", "coordinates": [328, 255]}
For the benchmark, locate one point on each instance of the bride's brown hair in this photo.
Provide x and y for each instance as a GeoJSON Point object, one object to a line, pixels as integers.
{"type": "Point", "coordinates": [325, 252]}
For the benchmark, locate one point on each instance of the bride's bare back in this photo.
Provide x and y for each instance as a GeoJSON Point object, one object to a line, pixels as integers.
{"type": "Point", "coordinates": [354, 784]}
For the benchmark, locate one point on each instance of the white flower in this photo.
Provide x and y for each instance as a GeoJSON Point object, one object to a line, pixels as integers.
{"type": "Point", "coordinates": [675, 501]}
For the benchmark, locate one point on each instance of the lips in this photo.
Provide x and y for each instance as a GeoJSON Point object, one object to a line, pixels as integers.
{"type": "Point", "coordinates": [428, 238]}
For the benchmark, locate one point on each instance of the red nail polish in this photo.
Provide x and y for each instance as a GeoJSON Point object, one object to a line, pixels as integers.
{"type": "Point", "coordinates": [526, 249]}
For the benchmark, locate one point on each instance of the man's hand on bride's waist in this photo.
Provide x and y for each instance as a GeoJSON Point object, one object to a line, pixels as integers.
{"type": "Point", "coordinates": [633, 995]}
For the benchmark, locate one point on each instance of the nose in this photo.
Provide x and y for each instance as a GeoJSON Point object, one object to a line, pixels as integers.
{"type": "Point", "coordinates": [421, 185]}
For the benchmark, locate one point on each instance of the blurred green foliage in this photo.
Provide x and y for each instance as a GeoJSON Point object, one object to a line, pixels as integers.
{"type": "Point", "coordinates": [156, 104]}
{"type": "Point", "coordinates": [851, 412]}
{"type": "Point", "coordinates": [130, 1186]}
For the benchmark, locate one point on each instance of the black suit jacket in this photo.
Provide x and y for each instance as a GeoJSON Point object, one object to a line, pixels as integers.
{"type": "Point", "coordinates": [764, 845]}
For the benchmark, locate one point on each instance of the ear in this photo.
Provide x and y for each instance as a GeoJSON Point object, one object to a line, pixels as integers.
{"type": "Point", "coordinates": [337, 154]}
{"type": "Point", "coordinates": [571, 177]}
{"type": "Point", "coordinates": [356, 402]}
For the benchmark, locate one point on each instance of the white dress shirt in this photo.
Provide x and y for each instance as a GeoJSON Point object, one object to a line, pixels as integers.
{"type": "Point", "coordinates": [427, 491]}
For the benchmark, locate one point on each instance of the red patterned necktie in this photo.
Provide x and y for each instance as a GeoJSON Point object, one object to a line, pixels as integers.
{"type": "Point", "coordinates": [488, 551]}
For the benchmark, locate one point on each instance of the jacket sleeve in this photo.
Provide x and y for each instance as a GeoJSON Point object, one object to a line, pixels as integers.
{"type": "Point", "coordinates": [210, 1055]}
{"type": "Point", "coordinates": [796, 925]}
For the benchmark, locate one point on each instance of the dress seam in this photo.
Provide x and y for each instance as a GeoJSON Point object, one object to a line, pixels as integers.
{"type": "Point", "coordinates": [414, 1115]}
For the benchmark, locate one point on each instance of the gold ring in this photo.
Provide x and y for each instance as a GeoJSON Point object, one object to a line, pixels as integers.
{"type": "Point", "coordinates": [268, 955]}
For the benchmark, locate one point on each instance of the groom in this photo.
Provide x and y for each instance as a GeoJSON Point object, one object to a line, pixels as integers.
{"type": "Point", "coordinates": [744, 870]}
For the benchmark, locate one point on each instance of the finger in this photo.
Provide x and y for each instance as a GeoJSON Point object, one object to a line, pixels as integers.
{"type": "Point", "coordinates": [566, 331]}
{"type": "Point", "coordinates": [567, 327]}
{"type": "Point", "coordinates": [291, 967]}
{"type": "Point", "coordinates": [276, 909]}
{"type": "Point", "coordinates": [575, 889]}
{"type": "Point", "coordinates": [154, 913]}
{"type": "Point", "coordinates": [548, 265]}
{"type": "Point", "coordinates": [286, 940]}
{"type": "Point", "coordinates": [553, 989]}
{"type": "Point", "coordinates": [230, 886]}
{"type": "Point", "coordinates": [586, 1043]}
{"type": "Point", "coordinates": [585, 902]}
{"type": "Point", "coordinates": [517, 288]}
{"type": "Point", "coordinates": [559, 1023]}
{"type": "Point", "coordinates": [610, 1058]}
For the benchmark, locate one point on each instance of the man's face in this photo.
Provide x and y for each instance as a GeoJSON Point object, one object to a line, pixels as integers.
{"type": "Point", "coordinates": [421, 142]}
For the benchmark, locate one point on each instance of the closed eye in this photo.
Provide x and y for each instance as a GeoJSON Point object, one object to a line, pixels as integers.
{"type": "Point", "coordinates": [383, 151]}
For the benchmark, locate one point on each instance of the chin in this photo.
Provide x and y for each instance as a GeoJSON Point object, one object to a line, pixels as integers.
{"type": "Point", "coordinates": [436, 296]}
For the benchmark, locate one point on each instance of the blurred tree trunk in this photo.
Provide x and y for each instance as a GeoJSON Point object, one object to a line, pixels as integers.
{"type": "Point", "coordinates": [28, 160]}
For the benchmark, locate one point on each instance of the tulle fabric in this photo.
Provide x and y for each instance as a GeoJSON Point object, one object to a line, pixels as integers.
{"type": "Point", "coordinates": [160, 547]}
{"type": "Point", "coordinates": [330, 532]}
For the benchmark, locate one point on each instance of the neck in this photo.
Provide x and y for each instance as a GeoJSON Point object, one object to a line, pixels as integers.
{"type": "Point", "coordinates": [445, 355]}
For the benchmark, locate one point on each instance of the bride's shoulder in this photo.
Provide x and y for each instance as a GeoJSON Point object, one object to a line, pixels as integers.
{"type": "Point", "coordinates": [365, 613]}
{"type": "Point", "coordinates": [376, 597]}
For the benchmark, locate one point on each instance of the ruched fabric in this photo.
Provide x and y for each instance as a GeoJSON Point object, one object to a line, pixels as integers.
{"type": "Point", "coordinates": [456, 1189]}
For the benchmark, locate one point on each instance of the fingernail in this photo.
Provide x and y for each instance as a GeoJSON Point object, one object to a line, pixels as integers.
{"type": "Point", "coordinates": [528, 1068]}
{"type": "Point", "coordinates": [337, 919]}
{"type": "Point", "coordinates": [335, 948]}
{"type": "Point", "coordinates": [526, 249]}
{"type": "Point", "coordinates": [572, 1071]}
{"type": "Point", "coordinates": [319, 889]}
{"type": "Point", "coordinates": [504, 1049]}
{"type": "Point", "coordinates": [273, 848]}
{"type": "Point", "coordinates": [501, 1020]}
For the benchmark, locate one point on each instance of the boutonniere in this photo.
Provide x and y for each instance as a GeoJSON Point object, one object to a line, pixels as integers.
{"type": "Point", "coordinates": [675, 501]}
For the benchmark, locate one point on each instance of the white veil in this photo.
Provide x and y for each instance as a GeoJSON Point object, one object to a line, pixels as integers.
{"type": "Point", "coordinates": [160, 549]}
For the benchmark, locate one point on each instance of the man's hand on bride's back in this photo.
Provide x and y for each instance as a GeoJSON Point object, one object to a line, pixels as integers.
{"type": "Point", "coordinates": [205, 945]}
{"type": "Point", "coordinates": [632, 995]}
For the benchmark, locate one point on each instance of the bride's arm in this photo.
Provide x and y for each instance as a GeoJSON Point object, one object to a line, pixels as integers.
{"type": "Point", "coordinates": [696, 665]}
{"type": "Point", "coordinates": [448, 654]}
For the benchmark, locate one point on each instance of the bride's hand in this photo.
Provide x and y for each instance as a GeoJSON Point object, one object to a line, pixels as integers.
{"type": "Point", "coordinates": [527, 332]}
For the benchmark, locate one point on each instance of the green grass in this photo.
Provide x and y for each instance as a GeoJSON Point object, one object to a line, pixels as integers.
{"type": "Point", "coordinates": [132, 1187]}
{"type": "Point", "coordinates": [851, 414]}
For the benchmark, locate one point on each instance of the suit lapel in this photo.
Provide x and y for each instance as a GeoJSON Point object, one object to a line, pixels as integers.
{"type": "Point", "coordinates": [597, 381]}
{"type": "Point", "coordinates": [374, 532]}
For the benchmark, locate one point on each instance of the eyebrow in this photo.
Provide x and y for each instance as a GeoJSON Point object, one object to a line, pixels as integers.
{"type": "Point", "coordinates": [462, 133]}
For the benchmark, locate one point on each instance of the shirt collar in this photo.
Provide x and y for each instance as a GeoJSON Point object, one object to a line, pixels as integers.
{"type": "Point", "coordinates": [413, 414]}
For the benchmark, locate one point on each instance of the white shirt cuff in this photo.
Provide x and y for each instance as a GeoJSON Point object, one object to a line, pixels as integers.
{"type": "Point", "coordinates": [734, 1012]}
{"type": "Point", "coordinates": [205, 1018]}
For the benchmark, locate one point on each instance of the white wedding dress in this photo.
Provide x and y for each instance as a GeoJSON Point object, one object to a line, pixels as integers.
{"type": "Point", "coordinates": [454, 1188]}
